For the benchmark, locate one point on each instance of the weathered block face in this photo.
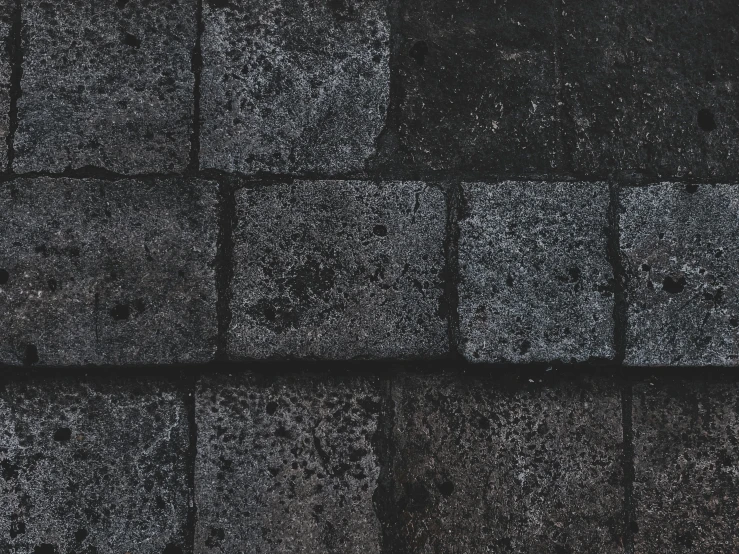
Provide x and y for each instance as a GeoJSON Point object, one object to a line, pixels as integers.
{"type": "Point", "coordinates": [287, 464]}
{"type": "Point", "coordinates": [651, 86]}
{"type": "Point", "coordinates": [106, 84]}
{"type": "Point", "coordinates": [477, 85]}
{"type": "Point", "coordinates": [107, 272]}
{"type": "Point", "coordinates": [535, 280]}
{"type": "Point", "coordinates": [485, 466]}
{"type": "Point", "coordinates": [293, 87]}
{"type": "Point", "coordinates": [680, 248]}
{"type": "Point", "coordinates": [93, 465]}
{"type": "Point", "coordinates": [339, 270]}
{"type": "Point", "coordinates": [7, 14]}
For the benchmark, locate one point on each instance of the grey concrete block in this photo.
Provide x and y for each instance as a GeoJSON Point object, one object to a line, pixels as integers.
{"type": "Point", "coordinates": [686, 489]}
{"type": "Point", "coordinates": [96, 272]}
{"type": "Point", "coordinates": [107, 85]}
{"type": "Point", "coordinates": [339, 269]}
{"type": "Point", "coordinates": [535, 281]}
{"type": "Point", "coordinates": [680, 245]}
{"type": "Point", "coordinates": [93, 467]}
{"type": "Point", "coordinates": [293, 87]}
{"type": "Point", "coordinates": [287, 464]}
{"type": "Point", "coordinates": [484, 466]}
{"type": "Point", "coordinates": [651, 86]}
{"type": "Point", "coordinates": [478, 82]}
{"type": "Point", "coordinates": [7, 13]}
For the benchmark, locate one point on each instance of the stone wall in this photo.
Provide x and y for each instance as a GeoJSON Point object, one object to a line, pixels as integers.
{"type": "Point", "coordinates": [379, 276]}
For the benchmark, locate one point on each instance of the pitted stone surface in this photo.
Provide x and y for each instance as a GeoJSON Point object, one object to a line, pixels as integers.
{"type": "Point", "coordinates": [7, 13]}
{"type": "Point", "coordinates": [93, 466]}
{"type": "Point", "coordinates": [686, 489]}
{"type": "Point", "coordinates": [103, 272]}
{"type": "Point", "coordinates": [106, 84]}
{"type": "Point", "coordinates": [680, 245]}
{"type": "Point", "coordinates": [651, 86]}
{"type": "Point", "coordinates": [483, 466]}
{"type": "Point", "coordinates": [287, 464]}
{"type": "Point", "coordinates": [293, 86]}
{"type": "Point", "coordinates": [477, 85]}
{"type": "Point", "coordinates": [535, 281]}
{"type": "Point", "coordinates": [335, 269]}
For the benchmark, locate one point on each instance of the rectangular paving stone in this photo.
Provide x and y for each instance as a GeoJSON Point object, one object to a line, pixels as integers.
{"type": "Point", "coordinates": [686, 487]}
{"type": "Point", "coordinates": [107, 272]}
{"type": "Point", "coordinates": [650, 86]}
{"type": "Point", "coordinates": [535, 280]}
{"type": "Point", "coordinates": [679, 248]}
{"type": "Point", "coordinates": [287, 464]}
{"type": "Point", "coordinates": [93, 467]}
{"type": "Point", "coordinates": [7, 14]}
{"type": "Point", "coordinates": [106, 84]}
{"type": "Point", "coordinates": [485, 466]}
{"type": "Point", "coordinates": [477, 84]}
{"type": "Point", "coordinates": [339, 269]}
{"type": "Point", "coordinates": [293, 86]}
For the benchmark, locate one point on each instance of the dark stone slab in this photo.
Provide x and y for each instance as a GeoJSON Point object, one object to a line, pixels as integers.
{"type": "Point", "coordinates": [339, 269]}
{"type": "Point", "coordinates": [7, 13]}
{"type": "Point", "coordinates": [651, 86]}
{"type": "Point", "coordinates": [93, 467]}
{"type": "Point", "coordinates": [482, 466]}
{"type": "Point", "coordinates": [293, 86]}
{"type": "Point", "coordinates": [287, 464]}
{"type": "Point", "coordinates": [96, 272]}
{"type": "Point", "coordinates": [106, 84]}
{"type": "Point", "coordinates": [477, 85]}
{"type": "Point", "coordinates": [686, 489]}
{"type": "Point", "coordinates": [680, 245]}
{"type": "Point", "coordinates": [535, 278]}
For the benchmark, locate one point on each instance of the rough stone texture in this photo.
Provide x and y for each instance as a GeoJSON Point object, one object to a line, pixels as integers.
{"type": "Point", "coordinates": [94, 467]}
{"type": "Point", "coordinates": [485, 467]}
{"type": "Point", "coordinates": [477, 85]}
{"type": "Point", "coordinates": [680, 245]}
{"type": "Point", "coordinates": [686, 487]}
{"type": "Point", "coordinates": [96, 272]}
{"type": "Point", "coordinates": [7, 12]}
{"type": "Point", "coordinates": [287, 465]}
{"type": "Point", "coordinates": [293, 86]}
{"type": "Point", "coordinates": [106, 84]}
{"type": "Point", "coordinates": [651, 86]}
{"type": "Point", "coordinates": [534, 274]}
{"type": "Point", "coordinates": [339, 270]}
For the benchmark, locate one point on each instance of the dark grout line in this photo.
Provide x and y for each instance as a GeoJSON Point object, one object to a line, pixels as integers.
{"type": "Point", "coordinates": [455, 203]}
{"type": "Point", "coordinates": [620, 306]}
{"type": "Point", "coordinates": [227, 219]}
{"type": "Point", "coordinates": [192, 508]}
{"type": "Point", "coordinates": [197, 69]}
{"type": "Point", "coordinates": [383, 498]}
{"type": "Point", "coordinates": [627, 397]}
{"type": "Point", "coordinates": [15, 47]}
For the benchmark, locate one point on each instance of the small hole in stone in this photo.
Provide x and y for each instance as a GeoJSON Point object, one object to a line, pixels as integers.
{"type": "Point", "coordinates": [446, 488]}
{"type": "Point", "coordinates": [271, 408]}
{"type": "Point", "coordinates": [673, 286]}
{"type": "Point", "coordinates": [270, 314]}
{"type": "Point", "coordinates": [120, 312]}
{"type": "Point", "coordinates": [80, 535]}
{"type": "Point", "coordinates": [524, 347]}
{"type": "Point", "coordinates": [692, 189]}
{"type": "Point", "coordinates": [418, 52]}
{"type": "Point", "coordinates": [380, 230]}
{"type": "Point", "coordinates": [131, 40]}
{"type": "Point", "coordinates": [734, 321]}
{"type": "Point", "coordinates": [63, 434]}
{"type": "Point", "coordinates": [4, 276]}
{"type": "Point", "coordinates": [706, 120]}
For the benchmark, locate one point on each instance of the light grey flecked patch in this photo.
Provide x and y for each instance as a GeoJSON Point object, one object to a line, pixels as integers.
{"type": "Point", "coordinates": [287, 465]}
{"type": "Point", "coordinates": [686, 487]}
{"type": "Point", "coordinates": [485, 466]}
{"type": "Point", "coordinates": [535, 281]}
{"type": "Point", "coordinates": [680, 245]}
{"type": "Point", "coordinates": [106, 84]}
{"type": "Point", "coordinates": [7, 12]}
{"type": "Point", "coordinates": [96, 272]}
{"type": "Point", "coordinates": [293, 86]}
{"type": "Point", "coordinates": [339, 270]}
{"type": "Point", "coordinates": [93, 467]}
